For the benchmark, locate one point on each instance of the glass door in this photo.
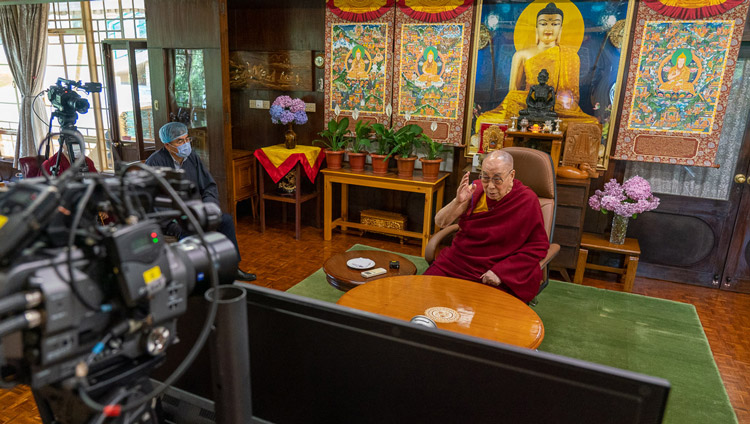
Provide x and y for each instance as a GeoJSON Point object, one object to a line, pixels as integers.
{"type": "Point", "coordinates": [186, 88]}
{"type": "Point", "coordinates": [126, 70]}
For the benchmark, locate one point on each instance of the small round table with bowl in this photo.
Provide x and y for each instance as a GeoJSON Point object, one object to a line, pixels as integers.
{"type": "Point", "coordinates": [344, 271]}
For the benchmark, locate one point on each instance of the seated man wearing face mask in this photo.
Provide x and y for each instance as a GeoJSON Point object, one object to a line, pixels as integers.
{"type": "Point", "coordinates": [177, 154]}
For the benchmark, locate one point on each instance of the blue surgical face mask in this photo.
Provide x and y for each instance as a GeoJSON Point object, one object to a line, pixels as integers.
{"type": "Point", "coordinates": [184, 150]}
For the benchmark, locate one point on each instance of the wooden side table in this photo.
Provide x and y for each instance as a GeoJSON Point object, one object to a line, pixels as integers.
{"type": "Point", "coordinates": [389, 181]}
{"type": "Point", "coordinates": [297, 200]}
{"type": "Point", "coordinates": [243, 175]}
{"type": "Point", "coordinates": [277, 161]}
{"type": "Point", "coordinates": [339, 275]}
{"type": "Point", "coordinates": [630, 249]}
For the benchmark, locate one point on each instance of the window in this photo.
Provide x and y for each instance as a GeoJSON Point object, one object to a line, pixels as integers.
{"type": "Point", "coordinates": [67, 57]}
{"type": "Point", "coordinates": [10, 101]}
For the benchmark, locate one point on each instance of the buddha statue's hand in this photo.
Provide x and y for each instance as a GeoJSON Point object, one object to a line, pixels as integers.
{"type": "Point", "coordinates": [465, 190]}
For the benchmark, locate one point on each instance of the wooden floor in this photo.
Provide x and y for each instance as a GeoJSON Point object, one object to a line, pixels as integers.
{"type": "Point", "coordinates": [281, 261]}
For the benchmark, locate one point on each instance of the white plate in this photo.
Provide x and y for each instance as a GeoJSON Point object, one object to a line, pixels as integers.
{"type": "Point", "coordinates": [360, 263]}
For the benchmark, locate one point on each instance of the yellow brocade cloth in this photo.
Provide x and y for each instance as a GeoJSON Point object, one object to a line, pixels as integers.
{"type": "Point", "coordinates": [277, 160]}
{"type": "Point", "coordinates": [563, 66]}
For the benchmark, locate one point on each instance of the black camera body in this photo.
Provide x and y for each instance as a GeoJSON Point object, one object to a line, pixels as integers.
{"type": "Point", "coordinates": [67, 102]}
{"type": "Point", "coordinates": [90, 288]}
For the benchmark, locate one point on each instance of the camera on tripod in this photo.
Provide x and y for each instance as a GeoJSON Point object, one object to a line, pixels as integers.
{"type": "Point", "coordinates": [68, 104]}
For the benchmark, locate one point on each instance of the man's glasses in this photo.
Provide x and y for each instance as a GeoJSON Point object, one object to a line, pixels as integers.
{"type": "Point", "coordinates": [496, 180]}
{"type": "Point", "coordinates": [181, 141]}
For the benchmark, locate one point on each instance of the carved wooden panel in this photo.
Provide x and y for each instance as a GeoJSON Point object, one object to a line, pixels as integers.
{"type": "Point", "coordinates": [284, 70]}
{"type": "Point", "coordinates": [582, 143]}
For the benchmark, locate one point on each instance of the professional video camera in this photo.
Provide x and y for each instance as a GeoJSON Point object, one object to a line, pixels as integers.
{"type": "Point", "coordinates": [68, 104]}
{"type": "Point", "coordinates": [90, 290]}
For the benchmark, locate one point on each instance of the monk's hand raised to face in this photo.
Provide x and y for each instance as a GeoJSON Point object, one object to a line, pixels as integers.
{"type": "Point", "coordinates": [465, 189]}
{"type": "Point", "coordinates": [490, 278]}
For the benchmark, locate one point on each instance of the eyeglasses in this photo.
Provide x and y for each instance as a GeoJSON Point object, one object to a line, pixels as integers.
{"type": "Point", "coordinates": [181, 141]}
{"type": "Point", "coordinates": [496, 180]}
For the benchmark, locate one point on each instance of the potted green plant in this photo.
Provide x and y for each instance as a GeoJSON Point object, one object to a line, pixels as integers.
{"type": "Point", "coordinates": [431, 161]}
{"type": "Point", "coordinates": [361, 140]}
{"type": "Point", "coordinates": [335, 141]}
{"type": "Point", "coordinates": [385, 140]}
{"type": "Point", "coordinates": [405, 140]}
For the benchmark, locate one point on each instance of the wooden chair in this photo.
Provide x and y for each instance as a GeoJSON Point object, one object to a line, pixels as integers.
{"type": "Point", "coordinates": [534, 169]}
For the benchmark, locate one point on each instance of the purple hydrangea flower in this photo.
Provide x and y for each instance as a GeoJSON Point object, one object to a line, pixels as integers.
{"type": "Point", "coordinates": [286, 110]}
{"type": "Point", "coordinates": [629, 199]}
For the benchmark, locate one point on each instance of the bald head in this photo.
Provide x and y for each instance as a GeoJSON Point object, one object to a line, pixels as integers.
{"type": "Point", "coordinates": [497, 174]}
{"type": "Point", "coordinates": [499, 158]}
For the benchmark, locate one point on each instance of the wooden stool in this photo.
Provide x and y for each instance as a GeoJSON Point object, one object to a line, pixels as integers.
{"type": "Point", "coordinates": [630, 249]}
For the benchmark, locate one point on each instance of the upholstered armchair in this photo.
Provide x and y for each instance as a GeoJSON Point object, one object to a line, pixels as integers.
{"type": "Point", "coordinates": [534, 169]}
{"type": "Point", "coordinates": [29, 167]}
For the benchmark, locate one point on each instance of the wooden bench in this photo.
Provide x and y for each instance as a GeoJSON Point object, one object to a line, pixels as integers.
{"type": "Point", "coordinates": [630, 249]}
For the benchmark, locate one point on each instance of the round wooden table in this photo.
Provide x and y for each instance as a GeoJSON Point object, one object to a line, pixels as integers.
{"type": "Point", "coordinates": [342, 277]}
{"type": "Point", "coordinates": [457, 305]}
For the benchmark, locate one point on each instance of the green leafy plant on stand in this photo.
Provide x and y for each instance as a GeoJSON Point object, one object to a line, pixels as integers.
{"type": "Point", "coordinates": [334, 137]}
{"type": "Point", "coordinates": [405, 140]}
{"type": "Point", "coordinates": [361, 139]}
{"type": "Point", "coordinates": [433, 150]}
{"type": "Point", "coordinates": [384, 138]}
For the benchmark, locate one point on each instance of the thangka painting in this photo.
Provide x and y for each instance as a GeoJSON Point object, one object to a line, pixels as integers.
{"type": "Point", "coordinates": [579, 43]}
{"type": "Point", "coordinates": [431, 63]}
{"type": "Point", "coordinates": [359, 61]}
{"type": "Point", "coordinates": [678, 86]}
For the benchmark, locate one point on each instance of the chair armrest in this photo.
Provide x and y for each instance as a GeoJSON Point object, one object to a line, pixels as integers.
{"type": "Point", "coordinates": [553, 250]}
{"type": "Point", "coordinates": [432, 245]}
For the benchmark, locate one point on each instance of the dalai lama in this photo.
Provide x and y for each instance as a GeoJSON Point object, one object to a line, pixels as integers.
{"type": "Point", "coordinates": [501, 236]}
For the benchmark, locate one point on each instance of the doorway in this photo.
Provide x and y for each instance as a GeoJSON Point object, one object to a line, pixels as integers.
{"type": "Point", "coordinates": [126, 70]}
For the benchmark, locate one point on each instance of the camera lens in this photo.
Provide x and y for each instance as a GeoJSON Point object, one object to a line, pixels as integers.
{"type": "Point", "coordinates": [81, 105]}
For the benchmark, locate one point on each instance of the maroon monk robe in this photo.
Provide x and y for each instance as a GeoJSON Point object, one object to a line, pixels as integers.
{"type": "Point", "coordinates": [508, 239]}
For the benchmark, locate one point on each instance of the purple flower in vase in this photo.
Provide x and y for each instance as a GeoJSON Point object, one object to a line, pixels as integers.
{"type": "Point", "coordinates": [628, 199]}
{"type": "Point", "coordinates": [286, 110]}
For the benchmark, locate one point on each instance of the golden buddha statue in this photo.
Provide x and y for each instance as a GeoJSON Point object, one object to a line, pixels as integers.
{"type": "Point", "coordinates": [560, 61]}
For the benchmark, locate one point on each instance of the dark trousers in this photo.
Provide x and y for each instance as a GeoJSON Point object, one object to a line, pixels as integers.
{"type": "Point", "coordinates": [226, 227]}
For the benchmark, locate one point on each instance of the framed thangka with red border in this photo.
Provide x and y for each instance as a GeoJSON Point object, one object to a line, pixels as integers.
{"type": "Point", "coordinates": [678, 82]}
{"type": "Point", "coordinates": [433, 45]}
{"type": "Point", "coordinates": [579, 43]}
{"type": "Point", "coordinates": [359, 60]}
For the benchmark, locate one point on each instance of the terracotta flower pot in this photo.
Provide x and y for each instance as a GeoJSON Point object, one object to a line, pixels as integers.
{"type": "Point", "coordinates": [334, 158]}
{"type": "Point", "coordinates": [406, 166]}
{"type": "Point", "coordinates": [357, 161]}
{"type": "Point", "coordinates": [430, 168]}
{"type": "Point", "coordinates": [379, 166]}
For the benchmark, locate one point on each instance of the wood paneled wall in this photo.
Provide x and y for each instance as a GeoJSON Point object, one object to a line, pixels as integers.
{"type": "Point", "coordinates": [195, 24]}
{"type": "Point", "coordinates": [270, 25]}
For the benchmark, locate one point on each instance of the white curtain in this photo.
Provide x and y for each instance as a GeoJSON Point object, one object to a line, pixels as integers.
{"type": "Point", "coordinates": [23, 29]}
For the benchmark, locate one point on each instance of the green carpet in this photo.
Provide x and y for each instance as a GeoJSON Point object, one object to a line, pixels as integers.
{"type": "Point", "coordinates": [637, 333]}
